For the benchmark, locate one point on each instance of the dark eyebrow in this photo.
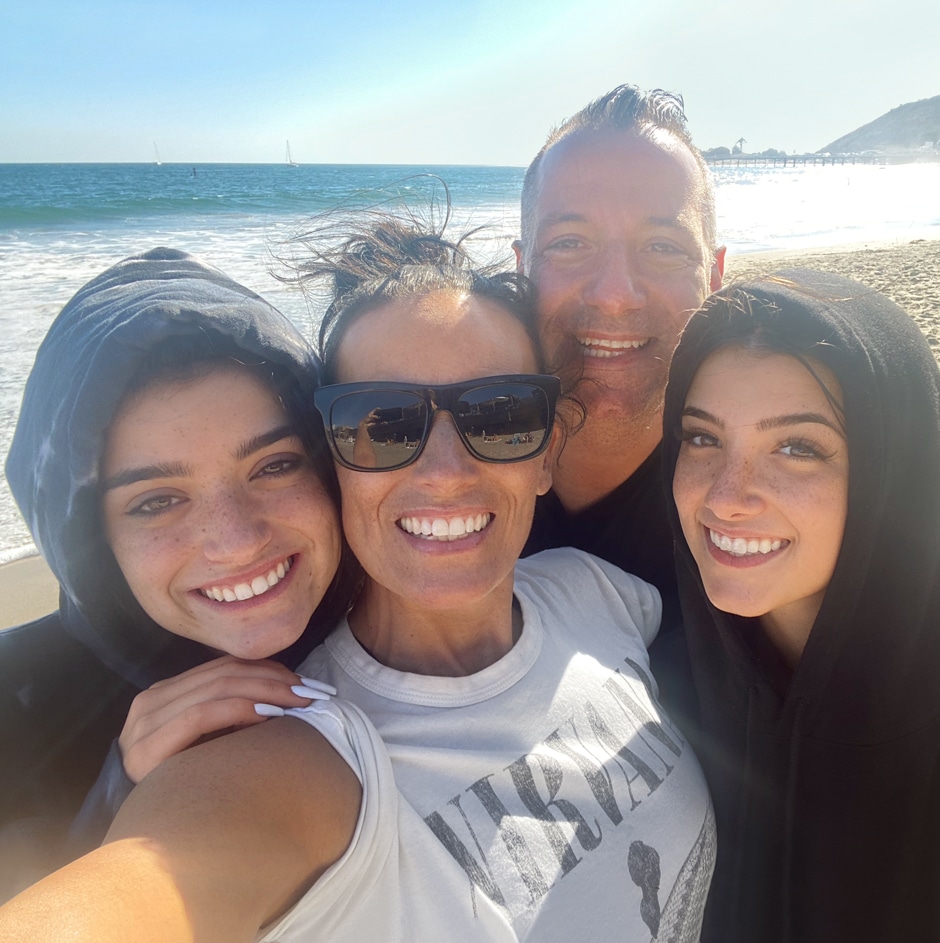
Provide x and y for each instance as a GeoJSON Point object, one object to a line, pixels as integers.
{"type": "Point", "coordinates": [774, 422]}
{"type": "Point", "coordinates": [793, 419]}
{"type": "Point", "coordinates": [130, 476]}
{"type": "Point", "coordinates": [697, 413]}
{"type": "Point", "coordinates": [258, 442]}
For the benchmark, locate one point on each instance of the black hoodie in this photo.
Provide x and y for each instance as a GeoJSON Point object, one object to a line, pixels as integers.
{"type": "Point", "coordinates": [67, 681]}
{"type": "Point", "coordinates": [827, 793]}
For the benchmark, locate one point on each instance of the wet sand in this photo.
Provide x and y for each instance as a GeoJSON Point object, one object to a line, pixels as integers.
{"type": "Point", "coordinates": [909, 273]}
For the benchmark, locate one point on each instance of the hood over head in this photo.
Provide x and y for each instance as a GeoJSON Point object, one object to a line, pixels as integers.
{"type": "Point", "coordinates": [82, 368]}
{"type": "Point", "coordinates": [875, 645]}
{"type": "Point", "coordinates": [827, 788]}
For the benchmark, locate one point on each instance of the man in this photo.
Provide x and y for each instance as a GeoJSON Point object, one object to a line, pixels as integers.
{"type": "Point", "coordinates": [618, 233]}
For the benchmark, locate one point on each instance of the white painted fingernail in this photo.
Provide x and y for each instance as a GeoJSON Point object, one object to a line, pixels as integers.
{"type": "Point", "coordinates": [317, 685]}
{"type": "Point", "coordinates": [303, 691]}
{"type": "Point", "coordinates": [269, 710]}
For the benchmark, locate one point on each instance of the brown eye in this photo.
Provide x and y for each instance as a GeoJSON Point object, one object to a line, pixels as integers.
{"type": "Point", "coordinates": [278, 466]}
{"type": "Point", "coordinates": [151, 507]}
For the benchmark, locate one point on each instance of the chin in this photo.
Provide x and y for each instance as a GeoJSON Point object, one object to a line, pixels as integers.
{"type": "Point", "coordinates": [737, 607]}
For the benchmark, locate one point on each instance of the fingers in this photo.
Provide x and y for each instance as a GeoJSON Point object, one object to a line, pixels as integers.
{"type": "Point", "coordinates": [221, 694]}
{"type": "Point", "coordinates": [315, 685]}
{"type": "Point", "coordinates": [227, 665]}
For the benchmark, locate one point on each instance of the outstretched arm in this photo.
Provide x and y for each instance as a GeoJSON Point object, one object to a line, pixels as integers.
{"type": "Point", "coordinates": [214, 698]}
{"type": "Point", "coordinates": [213, 845]}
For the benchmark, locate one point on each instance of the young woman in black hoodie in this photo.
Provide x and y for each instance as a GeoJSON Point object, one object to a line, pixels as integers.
{"type": "Point", "coordinates": [95, 695]}
{"type": "Point", "coordinates": [802, 448]}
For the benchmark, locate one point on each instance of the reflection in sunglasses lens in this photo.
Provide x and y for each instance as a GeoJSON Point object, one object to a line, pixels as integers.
{"type": "Point", "coordinates": [504, 422]}
{"type": "Point", "coordinates": [381, 429]}
{"type": "Point", "coordinates": [378, 428]}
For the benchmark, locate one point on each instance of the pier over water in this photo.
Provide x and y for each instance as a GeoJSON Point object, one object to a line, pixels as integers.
{"type": "Point", "coordinates": [758, 160]}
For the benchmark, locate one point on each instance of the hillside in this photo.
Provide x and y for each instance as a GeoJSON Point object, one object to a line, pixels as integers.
{"type": "Point", "coordinates": [905, 127]}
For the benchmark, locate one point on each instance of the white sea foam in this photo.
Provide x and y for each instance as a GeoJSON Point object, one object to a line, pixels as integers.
{"type": "Point", "coordinates": [758, 208]}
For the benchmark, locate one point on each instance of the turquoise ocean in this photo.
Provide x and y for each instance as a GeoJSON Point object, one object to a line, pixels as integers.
{"type": "Point", "coordinates": [61, 224]}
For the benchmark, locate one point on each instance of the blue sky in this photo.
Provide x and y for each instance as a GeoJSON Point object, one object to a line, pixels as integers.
{"type": "Point", "coordinates": [478, 82]}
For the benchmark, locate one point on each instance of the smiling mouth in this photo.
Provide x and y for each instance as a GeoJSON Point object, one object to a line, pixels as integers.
{"type": "Point", "coordinates": [239, 592]}
{"type": "Point", "coordinates": [739, 547]}
{"type": "Point", "coordinates": [445, 528]}
{"type": "Point", "coordinates": [603, 347]}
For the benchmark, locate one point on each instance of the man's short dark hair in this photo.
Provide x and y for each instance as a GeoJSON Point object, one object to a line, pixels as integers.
{"type": "Point", "coordinates": [626, 108]}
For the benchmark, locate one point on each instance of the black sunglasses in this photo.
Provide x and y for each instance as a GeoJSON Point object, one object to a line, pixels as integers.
{"type": "Point", "coordinates": [384, 426]}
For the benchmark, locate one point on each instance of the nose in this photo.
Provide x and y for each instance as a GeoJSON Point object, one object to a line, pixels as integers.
{"type": "Point", "coordinates": [734, 492]}
{"type": "Point", "coordinates": [445, 459]}
{"type": "Point", "coordinates": [233, 529]}
{"type": "Point", "coordinates": [615, 287]}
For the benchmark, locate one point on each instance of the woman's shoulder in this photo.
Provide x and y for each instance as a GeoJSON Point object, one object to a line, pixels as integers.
{"type": "Point", "coordinates": [573, 565]}
{"type": "Point", "coordinates": [587, 584]}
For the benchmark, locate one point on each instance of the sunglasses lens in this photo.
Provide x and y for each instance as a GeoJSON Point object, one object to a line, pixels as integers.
{"type": "Point", "coordinates": [504, 422]}
{"type": "Point", "coordinates": [378, 428]}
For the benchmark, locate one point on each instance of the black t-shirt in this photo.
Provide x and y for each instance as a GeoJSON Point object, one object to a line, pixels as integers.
{"type": "Point", "coordinates": [629, 528]}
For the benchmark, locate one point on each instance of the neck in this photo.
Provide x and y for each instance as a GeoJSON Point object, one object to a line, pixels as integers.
{"type": "Point", "coordinates": [446, 642]}
{"type": "Point", "coordinates": [599, 458]}
{"type": "Point", "coordinates": [788, 628]}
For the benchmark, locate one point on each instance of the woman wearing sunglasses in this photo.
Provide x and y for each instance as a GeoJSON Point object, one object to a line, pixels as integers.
{"type": "Point", "coordinates": [802, 426]}
{"type": "Point", "coordinates": [530, 787]}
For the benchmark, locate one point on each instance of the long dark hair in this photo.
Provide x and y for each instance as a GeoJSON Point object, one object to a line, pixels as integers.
{"type": "Point", "coordinates": [369, 256]}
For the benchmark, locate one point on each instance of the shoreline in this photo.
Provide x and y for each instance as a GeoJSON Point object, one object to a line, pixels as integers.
{"type": "Point", "coordinates": [907, 272]}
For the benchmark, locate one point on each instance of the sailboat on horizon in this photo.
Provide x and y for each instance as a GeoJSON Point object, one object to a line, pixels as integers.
{"type": "Point", "coordinates": [290, 160]}
{"type": "Point", "coordinates": [156, 155]}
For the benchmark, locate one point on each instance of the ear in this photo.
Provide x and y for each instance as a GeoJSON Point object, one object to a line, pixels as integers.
{"type": "Point", "coordinates": [547, 458]}
{"type": "Point", "coordinates": [517, 248]}
{"type": "Point", "coordinates": [718, 269]}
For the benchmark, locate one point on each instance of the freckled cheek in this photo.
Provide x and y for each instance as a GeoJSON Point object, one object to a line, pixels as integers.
{"type": "Point", "coordinates": [691, 483]}
{"type": "Point", "coordinates": [148, 561]}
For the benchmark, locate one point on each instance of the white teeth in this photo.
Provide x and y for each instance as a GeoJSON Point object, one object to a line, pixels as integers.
{"type": "Point", "coordinates": [242, 591]}
{"type": "Point", "coordinates": [439, 528]}
{"type": "Point", "coordinates": [598, 347]}
{"type": "Point", "coordinates": [741, 547]}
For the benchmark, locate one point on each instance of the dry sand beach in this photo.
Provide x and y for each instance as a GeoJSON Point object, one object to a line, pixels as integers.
{"type": "Point", "coordinates": [909, 273]}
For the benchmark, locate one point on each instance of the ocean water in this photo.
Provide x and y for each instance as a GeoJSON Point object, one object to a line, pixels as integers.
{"type": "Point", "coordinates": [61, 224]}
